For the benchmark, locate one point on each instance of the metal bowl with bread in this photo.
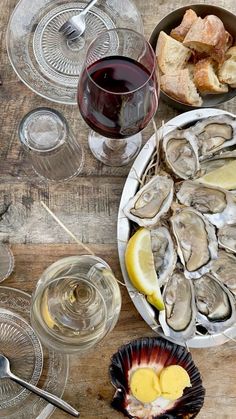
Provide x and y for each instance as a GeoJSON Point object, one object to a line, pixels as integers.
{"type": "Point", "coordinates": [196, 53]}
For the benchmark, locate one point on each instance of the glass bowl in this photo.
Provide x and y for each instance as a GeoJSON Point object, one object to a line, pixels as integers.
{"type": "Point", "coordinates": [42, 57]}
{"type": "Point", "coordinates": [52, 369]}
{"type": "Point", "coordinates": [6, 261]}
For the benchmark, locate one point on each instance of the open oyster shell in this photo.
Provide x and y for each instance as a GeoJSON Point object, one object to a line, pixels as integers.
{"type": "Point", "coordinates": [156, 353]}
{"type": "Point", "coordinates": [216, 161]}
{"type": "Point", "coordinates": [215, 304]}
{"type": "Point", "coordinates": [227, 237]}
{"type": "Point", "coordinates": [151, 202]}
{"type": "Point", "coordinates": [217, 204]}
{"type": "Point", "coordinates": [181, 153]}
{"type": "Point", "coordinates": [196, 241]}
{"type": "Point", "coordinates": [214, 134]}
{"type": "Point", "coordinates": [224, 269]}
{"type": "Point", "coordinates": [164, 253]}
{"type": "Point", "coordinates": [178, 318]}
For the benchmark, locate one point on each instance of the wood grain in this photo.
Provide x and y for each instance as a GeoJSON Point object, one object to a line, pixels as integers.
{"type": "Point", "coordinates": [88, 205]}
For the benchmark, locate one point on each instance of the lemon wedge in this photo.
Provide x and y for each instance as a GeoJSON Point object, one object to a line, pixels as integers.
{"type": "Point", "coordinates": [224, 177]}
{"type": "Point", "coordinates": [141, 269]}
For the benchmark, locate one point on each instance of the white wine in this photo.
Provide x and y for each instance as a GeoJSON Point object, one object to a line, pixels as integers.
{"type": "Point", "coordinates": [76, 303]}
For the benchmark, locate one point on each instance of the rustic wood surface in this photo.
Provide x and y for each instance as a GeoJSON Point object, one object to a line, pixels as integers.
{"type": "Point", "coordinates": [89, 205]}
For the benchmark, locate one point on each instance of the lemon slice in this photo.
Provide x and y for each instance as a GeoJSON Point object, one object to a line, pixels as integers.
{"type": "Point", "coordinates": [140, 267]}
{"type": "Point", "coordinates": [224, 177]}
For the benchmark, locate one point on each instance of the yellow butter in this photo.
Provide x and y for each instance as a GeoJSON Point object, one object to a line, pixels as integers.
{"type": "Point", "coordinates": [173, 380]}
{"type": "Point", "coordinates": [144, 385]}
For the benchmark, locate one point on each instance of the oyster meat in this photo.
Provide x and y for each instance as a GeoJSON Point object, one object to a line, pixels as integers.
{"type": "Point", "coordinates": [217, 204]}
{"type": "Point", "coordinates": [227, 237]}
{"type": "Point", "coordinates": [196, 240]}
{"type": "Point", "coordinates": [224, 269]}
{"type": "Point", "coordinates": [215, 304]}
{"type": "Point", "coordinates": [181, 153]}
{"type": "Point", "coordinates": [215, 133]}
{"type": "Point", "coordinates": [178, 318]}
{"type": "Point", "coordinates": [151, 202]}
{"type": "Point", "coordinates": [163, 252]}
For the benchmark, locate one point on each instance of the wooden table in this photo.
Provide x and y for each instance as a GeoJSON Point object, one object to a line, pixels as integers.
{"type": "Point", "coordinates": [88, 205]}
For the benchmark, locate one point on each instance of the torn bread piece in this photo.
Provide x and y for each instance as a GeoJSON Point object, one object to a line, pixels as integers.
{"type": "Point", "coordinates": [231, 53]}
{"type": "Point", "coordinates": [171, 54]}
{"type": "Point", "coordinates": [208, 35]}
{"type": "Point", "coordinates": [181, 87]}
{"type": "Point", "coordinates": [206, 79]}
{"type": "Point", "coordinates": [181, 31]}
{"type": "Point", "coordinates": [227, 72]}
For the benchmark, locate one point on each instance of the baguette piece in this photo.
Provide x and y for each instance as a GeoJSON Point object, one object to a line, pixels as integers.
{"type": "Point", "coordinates": [227, 73]}
{"type": "Point", "coordinates": [171, 54]}
{"type": "Point", "coordinates": [206, 80]}
{"type": "Point", "coordinates": [181, 87]}
{"type": "Point", "coordinates": [181, 31]}
{"type": "Point", "coordinates": [208, 35]}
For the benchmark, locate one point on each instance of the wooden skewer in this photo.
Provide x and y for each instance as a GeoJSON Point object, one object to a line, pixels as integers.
{"type": "Point", "coordinates": [67, 231]}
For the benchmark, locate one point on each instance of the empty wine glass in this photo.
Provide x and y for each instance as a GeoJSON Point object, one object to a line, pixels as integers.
{"type": "Point", "coordinates": [118, 94]}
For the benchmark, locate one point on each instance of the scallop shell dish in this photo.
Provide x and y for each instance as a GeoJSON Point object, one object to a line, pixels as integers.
{"type": "Point", "coordinates": [155, 378]}
{"type": "Point", "coordinates": [192, 227]}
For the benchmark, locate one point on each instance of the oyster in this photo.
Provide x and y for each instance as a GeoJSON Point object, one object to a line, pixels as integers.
{"type": "Point", "coordinates": [151, 202]}
{"type": "Point", "coordinates": [215, 304]}
{"type": "Point", "coordinates": [227, 237]}
{"type": "Point", "coordinates": [178, 318]}
{"type": "Point", "coordinates": [217, 204]}
{"type": "Point", "coordinates": [217, 161]}
{"type": "Point", "coordinates": [155, 353]}
{"type": "Point", "coordinates": [196, 240]}
{"type": "Point", "coordinates": [163, 252]}
{"type": "Point", "coordinates": [181, 153]}
{"type": "Point", "coordinates": [224, 269]}
{"type": "Point", "coordinates": [215, 133]}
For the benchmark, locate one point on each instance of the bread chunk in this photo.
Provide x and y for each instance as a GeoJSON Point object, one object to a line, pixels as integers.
{"type": "Point", "coordinates": [227, 73]}
{"type": "Point", "coordinates": [171, 54]}
{"type": "Point", "coordinates": [205, 78]}
{"type": "Point", "coordinates": [181, 87]}
{"type": "Point", "coordinates": [181, 31]}
{"type": "Point", "coordinates": [208, 35]}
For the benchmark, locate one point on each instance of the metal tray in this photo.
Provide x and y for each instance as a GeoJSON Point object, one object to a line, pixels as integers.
{"type": "Point", "coordinates": [123, 230]}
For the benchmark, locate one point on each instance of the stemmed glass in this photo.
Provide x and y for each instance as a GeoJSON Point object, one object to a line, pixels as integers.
{"type": "Point", "coordinates": [118, 94]}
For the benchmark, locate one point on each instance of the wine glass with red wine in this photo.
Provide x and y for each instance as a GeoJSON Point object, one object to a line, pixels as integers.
{"type": "Point", "coordinates": [118, 94]}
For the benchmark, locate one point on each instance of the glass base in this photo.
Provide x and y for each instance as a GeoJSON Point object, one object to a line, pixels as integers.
{"type": "Point", "coordinates": [113, 152]}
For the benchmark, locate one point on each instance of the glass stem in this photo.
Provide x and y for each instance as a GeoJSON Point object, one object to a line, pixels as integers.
{"type": "Point", "coordinates": [115, 145]}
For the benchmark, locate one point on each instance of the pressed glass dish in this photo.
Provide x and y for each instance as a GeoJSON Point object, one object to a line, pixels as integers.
{"type": "Point", "coordinates": [43, 58]}
{"type": "Point", "coordinates": [52, 370]}
{"type": "Point", "coordinates": [19, 343]}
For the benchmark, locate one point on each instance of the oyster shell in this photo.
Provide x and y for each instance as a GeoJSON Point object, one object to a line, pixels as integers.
{"type": "Point", "coordinates": [215, 304]}
{"type": "Point", "coordinates": [196, 240]}
{"type": "Point", "coordinates": [224, 269]}
{"type": "Point", "coordinates": [151, 202]}
{"type": "Point", "coordinates": [227, 237]}
{"type": "Point", "coordinates": [164, 254]}
{"type": "Point", "coordinates": [181, 153]}
{"type": "Point", "coordinates": [178, 318]}
{"type": "Point", "coordinates": [155, 353]}
{"type": "Point", "coordinates": [217, 204]}
{"type": "Point", "coordinates": [215, 133]}
{"type": "Point", "coordinates": [217, 161]}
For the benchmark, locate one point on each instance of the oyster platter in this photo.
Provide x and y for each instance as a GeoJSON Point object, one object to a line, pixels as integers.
{"type": "Point", "coordinates": [180, 195]}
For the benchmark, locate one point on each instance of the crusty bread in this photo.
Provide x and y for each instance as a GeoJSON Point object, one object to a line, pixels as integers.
{"type": "Point", "coordinates": [205, 78]}
{"type": "Point", "coordinates": [171, 54]}
{"type": "Point", "coordinates": [207, 35]}
{"type": "Point", "coordinates": [229, 40]}
{"type": "Point", "coordinates": [227, 72]}
{"type": "Point", "coordinates": [180, 86]}
{"type": "Point", "coordinates": [181, 31]}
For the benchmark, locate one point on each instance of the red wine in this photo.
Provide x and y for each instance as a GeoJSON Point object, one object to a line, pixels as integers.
{"type": "Point", "coordinates": [117, 96]}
